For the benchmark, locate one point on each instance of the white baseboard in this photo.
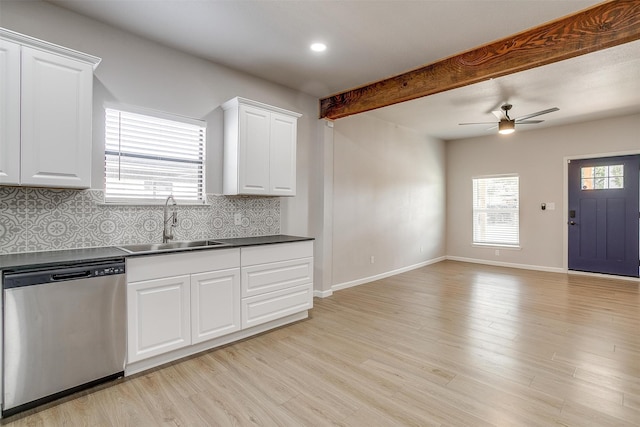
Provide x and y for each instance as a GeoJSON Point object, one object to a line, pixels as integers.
{"type": "Point", "coordinates": [345, 285]}
{"type": "Point", "coordinates": [357, 282]}
{"type": "Point", "coordinates": [508, 264]}
{"type": "Point", "coordinates": [322, 294]}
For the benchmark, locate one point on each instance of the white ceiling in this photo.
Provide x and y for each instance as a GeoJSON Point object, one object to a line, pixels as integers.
{"type": "Point", "coordinates": [369, 40]}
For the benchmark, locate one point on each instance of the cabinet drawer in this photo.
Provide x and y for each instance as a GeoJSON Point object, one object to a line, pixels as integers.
{"type": "Point", "coordinates": [263, 278]}
{"type": "Point", "coordinates": [188, 262]}
{"type": "Point", "coordinates": [274, 305]}
{"type": "Point", "coordinates": [253, 255]}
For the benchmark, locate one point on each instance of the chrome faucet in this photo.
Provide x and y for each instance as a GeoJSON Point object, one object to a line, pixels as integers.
{"type": "Point", "coordinates": [170, 221]}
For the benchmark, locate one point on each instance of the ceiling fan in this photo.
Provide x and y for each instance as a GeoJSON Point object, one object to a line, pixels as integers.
{"type": "Point", "coordinates": [506, 124]}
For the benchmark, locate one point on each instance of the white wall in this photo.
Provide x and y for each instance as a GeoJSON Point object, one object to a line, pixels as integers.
{"type": "Point", "coordinates": [141, 73]}
{"type": "Point", "coordinates": [388, 198]}
{"type": "Point", "coordinates": [538, 157]}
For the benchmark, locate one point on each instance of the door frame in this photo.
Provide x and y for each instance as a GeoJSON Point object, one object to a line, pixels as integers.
{"type": "Point", "coordinates": [565, 205]}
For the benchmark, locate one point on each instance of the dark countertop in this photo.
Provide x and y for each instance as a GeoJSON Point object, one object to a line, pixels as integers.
{"type": "Point", "coordinates": [29, 260]}
{"type": "Point", "coordinates": [263, 240]}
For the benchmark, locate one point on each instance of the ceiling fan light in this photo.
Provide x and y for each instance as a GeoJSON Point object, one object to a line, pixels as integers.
{"type": "Point", "coordinates": [318, 47]}
{"type": "Point", "coordinates": [505, 127]}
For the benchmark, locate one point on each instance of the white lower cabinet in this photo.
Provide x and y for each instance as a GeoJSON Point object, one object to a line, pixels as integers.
{"type": "Point", "coordinates": [214, 304]}
{"type": "Point", "coordinates": [277, 280]}
{"type": "Point", "coordinates": [177, 300]}
{"type": "Point", "coordinates": [274, 305]}
{"type": "Point", "coordinates": [158, 314]}
{"type": "Point", "coordinates": [182, 303]}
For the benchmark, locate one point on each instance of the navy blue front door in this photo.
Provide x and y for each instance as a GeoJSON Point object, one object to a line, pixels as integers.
{"type": "Point", "coordinates": [603, 215]}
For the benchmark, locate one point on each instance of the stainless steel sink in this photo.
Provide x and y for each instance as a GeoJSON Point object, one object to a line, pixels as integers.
{"type": "Point", "coordinates": [170, 246]}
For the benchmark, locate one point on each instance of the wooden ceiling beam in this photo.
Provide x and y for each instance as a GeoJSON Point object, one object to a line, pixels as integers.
{"type": "Point", "coordinates": [600, 27]}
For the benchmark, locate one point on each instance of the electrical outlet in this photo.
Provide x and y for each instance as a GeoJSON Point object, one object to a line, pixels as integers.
{"type": "Point", "coordinates": [237, 218]}
{"type": "Point", "coordinates": [373, 259]}
{"type": "Point", "coordinates": [497, 252]}
{"type": "Point", "coordinates": [421, 248]}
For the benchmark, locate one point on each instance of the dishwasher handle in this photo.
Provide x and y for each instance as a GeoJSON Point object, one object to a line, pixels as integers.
{"type": "Point", "coordinates": [70, 276]}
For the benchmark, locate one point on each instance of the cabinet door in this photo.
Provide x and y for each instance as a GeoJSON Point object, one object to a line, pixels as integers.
{"type": "Point", "coordinates": [282, 156]}
{"type": "Point", "coordinates": [158, 316]}
{"type": "Point", "coordinates": [56, 107]}
{"type": "Point", "coordinates": [253, 147]}
{"type": "Point", "coordinates": [9, 112]}
{"type": "Point", "coordinates": [215, 304]}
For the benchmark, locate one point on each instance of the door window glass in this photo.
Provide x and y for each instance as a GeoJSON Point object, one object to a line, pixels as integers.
{"type": "Point", "coordinates": [602, 177]}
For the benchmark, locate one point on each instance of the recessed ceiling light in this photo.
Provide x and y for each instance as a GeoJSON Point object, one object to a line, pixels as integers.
{"type": "Point", "coordinates": [318, 47]}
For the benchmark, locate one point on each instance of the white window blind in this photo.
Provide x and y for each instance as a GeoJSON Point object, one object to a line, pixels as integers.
{"type": "Point", "coordinates": [148, 158]}
{"type": "Point", "coordinates": [496, 211]}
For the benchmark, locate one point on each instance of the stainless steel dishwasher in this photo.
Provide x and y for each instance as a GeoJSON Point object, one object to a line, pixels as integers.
{"type": "Point", "coordinates": [64, 330]}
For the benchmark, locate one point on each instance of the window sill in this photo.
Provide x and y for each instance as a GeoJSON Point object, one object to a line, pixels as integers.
{"type": "Point", "coordinates": [496, 246]}
{"type": "Point", "coordinates": [150, 204]}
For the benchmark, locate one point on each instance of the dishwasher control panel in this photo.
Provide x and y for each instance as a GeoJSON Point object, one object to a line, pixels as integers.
{"type": "Point", "coordinates": [108, 271]}
{"type": "Point", "coordinates": [63, 273]}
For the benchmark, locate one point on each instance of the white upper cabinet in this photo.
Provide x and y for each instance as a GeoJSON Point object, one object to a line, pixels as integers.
{"type": "Point", "coordinates": [282, 160]}
{"type": "Point", "coordinates": [56, 120]}
{"type": "Point", "coordinates": [9, 113]}
{"type": "Point", "coordinates": [252, 176]}
{"type": "Point", "coordinates": [46, 138]}
{"type": "Point", "coordinates": [259, 149]}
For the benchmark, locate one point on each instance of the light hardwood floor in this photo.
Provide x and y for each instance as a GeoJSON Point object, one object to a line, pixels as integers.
{"type": "Point", "coordinates": [451, 344]}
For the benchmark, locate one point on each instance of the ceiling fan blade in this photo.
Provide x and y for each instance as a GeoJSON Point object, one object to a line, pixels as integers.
{"type": "Point", "coordinates": [499, 114]}
{"type": "Point", "coordinates": [478, 123]}
{"type": "Point", "coordinates": [529, 122]}
{"type": "Point", "coordinates": [493, 127]}
{"type": "Point", "coordinates": [539, 113]}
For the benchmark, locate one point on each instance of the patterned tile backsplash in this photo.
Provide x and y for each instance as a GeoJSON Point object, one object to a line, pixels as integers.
{"type": "Point", "coordinates": [39, 219]}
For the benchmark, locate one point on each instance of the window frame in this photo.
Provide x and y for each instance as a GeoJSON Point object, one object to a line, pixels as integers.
{"type": "Point", "coordinates": [606, 179]}
{"type": "Point", "coordinates": [201, 197]}
{"type": "Point", "coordinates": [505, 243]}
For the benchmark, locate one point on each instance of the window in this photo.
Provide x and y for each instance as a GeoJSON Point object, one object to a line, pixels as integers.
{"type": "Point", "coordinates": [602, 177]}
{"type": "Point", "coordinates": [148, 158]}
{"type": "Point", "coordinates": [496, 211]}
